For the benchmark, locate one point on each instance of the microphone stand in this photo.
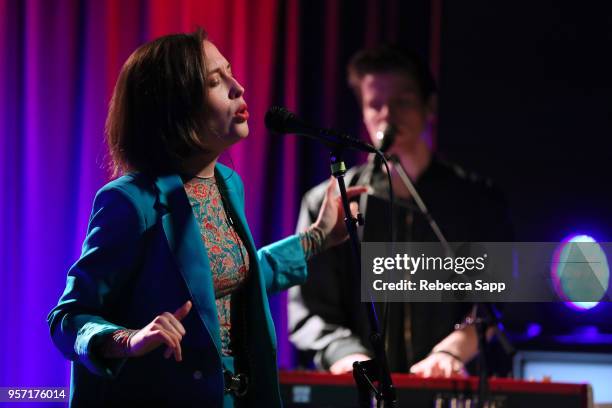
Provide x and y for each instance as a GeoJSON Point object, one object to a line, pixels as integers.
{"type": "Point", "coordinates": [401, 172]}
{"type": "Point", "coordinates": [487, 317]}
{"type": "Point", "coordinates": [483, 374]}
{"type": "Point", "coordinates": [365, 373]}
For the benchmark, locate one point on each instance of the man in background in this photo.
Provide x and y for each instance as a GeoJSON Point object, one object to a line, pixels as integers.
{"type": "Point", "coordinates": [326, 318]}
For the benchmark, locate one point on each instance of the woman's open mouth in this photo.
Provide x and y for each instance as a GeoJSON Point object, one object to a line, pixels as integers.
{"type": "Point", "coordinates": [242, 114]}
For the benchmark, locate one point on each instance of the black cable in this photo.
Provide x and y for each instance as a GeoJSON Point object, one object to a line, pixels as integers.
{"type": "Point", "coordinates": [385, 315]}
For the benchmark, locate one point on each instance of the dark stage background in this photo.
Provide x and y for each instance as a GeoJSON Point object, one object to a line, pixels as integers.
{"type": "Point", "coordinates": [524, 97]}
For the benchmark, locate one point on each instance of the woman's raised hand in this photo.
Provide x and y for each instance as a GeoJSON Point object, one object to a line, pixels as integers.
{"type": "Point", "coordinates": [164, 329]}
{"type": "Point", "coordinates": [331, 214]}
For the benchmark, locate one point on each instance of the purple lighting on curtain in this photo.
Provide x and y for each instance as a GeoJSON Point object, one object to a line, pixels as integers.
{"type": "Point", "coordinates": [39, 134]}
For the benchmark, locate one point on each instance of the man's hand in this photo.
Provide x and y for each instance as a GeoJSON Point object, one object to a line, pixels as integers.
{"type": "Point", "coordinates": [439, 365]}
{"type": "Point", "coordinates": [345, 364]}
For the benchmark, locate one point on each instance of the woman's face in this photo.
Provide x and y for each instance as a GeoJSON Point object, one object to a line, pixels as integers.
{"type": "Point", "coordinates": [227, 115]}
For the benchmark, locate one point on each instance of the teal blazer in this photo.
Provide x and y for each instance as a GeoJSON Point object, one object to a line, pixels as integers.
{"type": "Point", "coordinates": [143, 255]}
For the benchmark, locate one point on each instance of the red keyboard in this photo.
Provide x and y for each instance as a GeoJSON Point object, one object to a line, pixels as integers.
{"type": "Point", "coordinates": [317, 389]}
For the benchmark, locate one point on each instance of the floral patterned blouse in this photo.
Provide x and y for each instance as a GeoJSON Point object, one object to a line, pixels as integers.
{"type": "Point", "coordinates": [228, 257]}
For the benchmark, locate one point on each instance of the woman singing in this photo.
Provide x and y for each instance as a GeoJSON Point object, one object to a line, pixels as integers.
{"type": "Point", "coordinates": [168, 259]}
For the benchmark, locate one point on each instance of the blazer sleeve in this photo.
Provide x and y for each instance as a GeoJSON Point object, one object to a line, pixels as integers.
{"type": "Point", "coordinates": [109, 255]}
{"type": "Point", "coordinates": [283, 264]}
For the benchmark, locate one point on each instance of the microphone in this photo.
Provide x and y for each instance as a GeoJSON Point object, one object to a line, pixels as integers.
{"type": "Point", "coordinates": [387, 136]}
{"type": "Point", "coordinates": [280, 120]}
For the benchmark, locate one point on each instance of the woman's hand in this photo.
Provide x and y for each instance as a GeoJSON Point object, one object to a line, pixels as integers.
{"type": "Point", "coordinates": [331, 214]}
{"type": "Point", "coordinates": [164, 329]}
{"type": "Point", "coordinates": [439, 365]}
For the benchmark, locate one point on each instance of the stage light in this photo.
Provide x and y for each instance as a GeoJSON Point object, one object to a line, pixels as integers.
{"type": "Point", "coordinates": [580, 269]}
{"type": "Point", "coordinates": [533, 330]}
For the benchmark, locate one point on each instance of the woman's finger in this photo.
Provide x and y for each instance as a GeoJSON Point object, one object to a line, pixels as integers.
{"type": "Point", "coordinates": [183, 311]}
{"type": "Point", "coordinates": [176, 336]}
{"type": "Point", "coordinates": [178, 353]}
{"type": "Point", "coordinates": [177, 345]}
{"type": "Point", "coordinates": [175, 323]}
{"type": "Point", "coordinates": [164, 321]}
{"type": "Point", "coordinates": [175, 348]}
{"type": "Point", "coordinates": [356, 190]}
{"type": "Point", "coordinates": [331, 188]}
{"type": "Point", "coordinates": [354, 208]}
{"type": "Point", "coordinates": [164, 337]}
{"type": "Point", "coordinates": [171, 339]}
{"type": "Point", "coordinates": [351, 192]}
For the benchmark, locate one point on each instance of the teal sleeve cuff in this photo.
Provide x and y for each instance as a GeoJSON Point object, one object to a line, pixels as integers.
{"type": "Point", "coordinates": [283, 264]}
{"type": "Point", "coordinates": [87, 341]}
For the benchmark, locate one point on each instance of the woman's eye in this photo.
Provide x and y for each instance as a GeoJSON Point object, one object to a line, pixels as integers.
{"type": "Point", "coordinates": [213, 81]}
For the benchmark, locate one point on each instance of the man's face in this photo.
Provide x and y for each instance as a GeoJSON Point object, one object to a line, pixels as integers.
{"type": "Point", "coordinates": [393, 98]}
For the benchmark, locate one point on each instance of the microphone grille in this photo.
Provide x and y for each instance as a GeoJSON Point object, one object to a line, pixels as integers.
{"type": "Point", "coordinates": [388, 138]}
{"type": "Point", "coordinates": [276, 119]}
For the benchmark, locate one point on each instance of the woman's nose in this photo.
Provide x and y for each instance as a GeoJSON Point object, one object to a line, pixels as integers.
{"type": "Point", "coordinates": [236, 90]}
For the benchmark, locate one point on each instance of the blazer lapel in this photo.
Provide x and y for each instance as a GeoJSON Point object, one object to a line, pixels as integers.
{"type": "Point", "coordinates": [258, 297]}
{"type": "Point", "coordinates": [236, 204]}
{"type": "Point", "coordinates": [185, 241]}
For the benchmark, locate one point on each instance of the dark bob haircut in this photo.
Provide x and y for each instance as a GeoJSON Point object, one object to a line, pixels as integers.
{"type": "Point", "coordinates": [387, 58]}
{"type": "Point", "coordinates": [158, 105]}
